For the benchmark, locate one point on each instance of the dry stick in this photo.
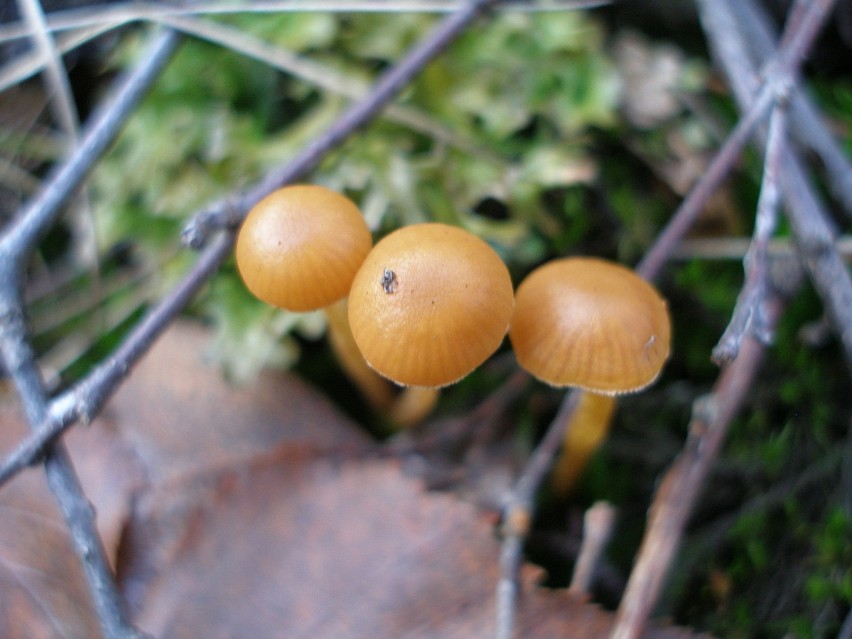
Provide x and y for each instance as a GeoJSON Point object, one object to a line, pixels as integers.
{"type": "Point", "coordinates": [87, 397]}
{"type": "Point", "coordinates": [21, 236]}
{"type": "Point", "coordinates": [746, 317]}
{"type": "Point", "coordinates": [682, 483]}
{"type": "Point", "coordinates": [17, 355]}
{"type": "Point", "coordinates": [519, 503]}
{"type": "Point", "coordinates": [808, 128]}
{"type": "Point", "coordinates": [598, 523]}
{"type": "Point", "coordinates": [675, 498]}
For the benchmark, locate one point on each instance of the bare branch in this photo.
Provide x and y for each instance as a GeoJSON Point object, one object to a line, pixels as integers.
{"type": "Point", "coordinates": [778, 76]}
{"type": "Point", "coordinates": [746, 317]}
{"type": "Point", "coordinates": [777, 79]}
{"type": "Point", "coordinates": [62, 479]}
{"type": "Point", "coordinates": [19, 360]}
{"type": "Point", "coordinates": [598, 523]}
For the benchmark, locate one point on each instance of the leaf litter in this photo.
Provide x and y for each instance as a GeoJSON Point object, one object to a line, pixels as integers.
{"type": "Point", "coordinates": [258, 512]}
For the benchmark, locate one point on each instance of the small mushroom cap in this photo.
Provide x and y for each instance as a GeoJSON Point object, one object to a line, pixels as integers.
{"type": "Point", "coordinates": [592, 324]}
{"type": "Point", "coordinates": [300, 247]}
{"type": "Point", "coordinates": [430, 303]}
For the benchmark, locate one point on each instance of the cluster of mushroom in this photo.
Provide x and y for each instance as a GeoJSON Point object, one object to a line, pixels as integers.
{"type": "Point", "coordinates": [430, 302]}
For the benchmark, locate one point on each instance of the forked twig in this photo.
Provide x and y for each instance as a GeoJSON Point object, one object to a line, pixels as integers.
{"type": "Point", "coordinates": [747, 317]}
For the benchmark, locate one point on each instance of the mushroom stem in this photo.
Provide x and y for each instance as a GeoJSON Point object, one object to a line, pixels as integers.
{"type": "Point", "coordinates": [586, 430]}
{"type": "Point", "coordinates": [375, 389]}
{"type": "Point", "coordinates": [413, 404]}
{"type": "Point", "coordinates": [406, 407]}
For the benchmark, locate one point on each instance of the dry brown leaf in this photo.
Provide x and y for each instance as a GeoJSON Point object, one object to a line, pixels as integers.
{"type": "Point", "coordinates": [249, 521]}
{"type": "Point", "coordinates": [298, 546]}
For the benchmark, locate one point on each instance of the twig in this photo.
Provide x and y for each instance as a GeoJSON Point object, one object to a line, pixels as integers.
{"type": "Point", "coordinates": [682, 483]}
{"type": "Point", "coordinates": [746, 317]}
{"type": "Point", "coordinates": [19, 360]}
{"type": "Point", "coordinates": [59, 88]}
{"type": "Point", "coordinates": [778, 74]}
{"type": "Point", "coordinates": [735, 248]}
{"type": "Point", "coordinates": [120, 13]}
{"type": "Point", "coordinates": [597, 528]}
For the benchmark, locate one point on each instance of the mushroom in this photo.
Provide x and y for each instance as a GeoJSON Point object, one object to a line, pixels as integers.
{"type": "Point", "coordinates": [430, 303]}
{"type": "Point", "coordinates": [299, 249]}
{"type": "Point", "coordinates": [594, 325]}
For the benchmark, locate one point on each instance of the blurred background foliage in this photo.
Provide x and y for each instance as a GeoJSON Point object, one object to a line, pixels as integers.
{"type": "Point", "coordinates": [547, 134]}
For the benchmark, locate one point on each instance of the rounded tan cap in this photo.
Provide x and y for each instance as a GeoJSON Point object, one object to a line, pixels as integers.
{"type": "Point", "coordinates": [592, 324]}
{"type": "Point", "coordinates": [300, 247]}
{"type": "Point", "coordinates": [430, 303]}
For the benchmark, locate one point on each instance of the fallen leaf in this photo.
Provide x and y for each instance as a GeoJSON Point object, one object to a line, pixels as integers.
{"type": "Point", "coordinates": [301, 546]}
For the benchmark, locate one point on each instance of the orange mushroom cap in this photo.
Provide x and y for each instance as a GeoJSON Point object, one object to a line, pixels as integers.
{"type": "Point", "coordinates": [300, 247]}
{"type": "Point", "coordinates": [592, 324]}
{"type": "Point", "coordinates": [430, 303]}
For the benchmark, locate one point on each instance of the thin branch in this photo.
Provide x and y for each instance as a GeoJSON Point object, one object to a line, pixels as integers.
{"type": "Point", "coordinates": [322, 76]}
{"type": "Point", "coordinates": [735, 248]}
{"type": "Point", "coordinates": [778, 76]}
{"type": "Point", "coordinates": [59, 88]}
{"type": "Point", "coordinates": [746, 317]}
{"type": "Point", "coordinates": [19, 360]}
{"type": "Point", "coordinates": [683, 482]}
{"type": "Point", "coordinates": [28, 64]}
{"type": "Point", "coordinates": [598, 523]}
{"type": "Point", "coordinates": [517, 514]}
